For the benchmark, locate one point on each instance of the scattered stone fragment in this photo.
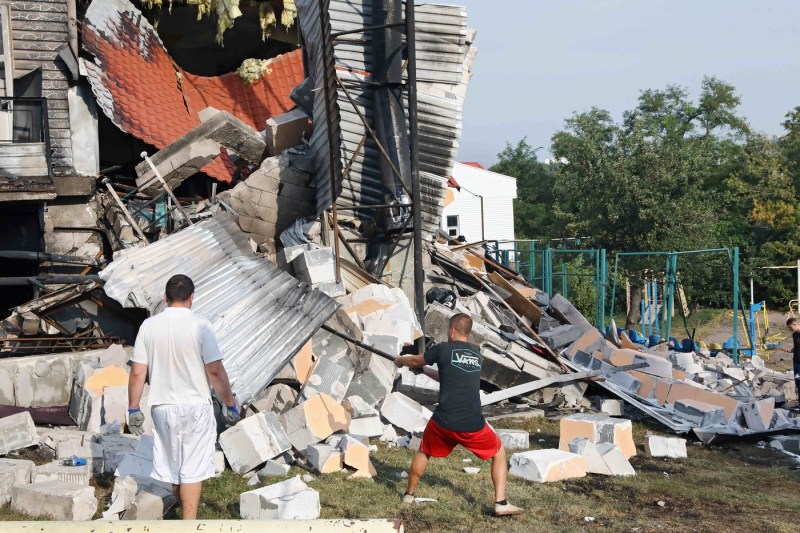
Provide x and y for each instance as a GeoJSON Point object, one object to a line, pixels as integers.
{"type": "Point", "coordinates": [273, 468]}
{"type": "Point", "coordinates": [758, 414]}
{"type": "Point", "coordinates": [699, 414]}
{"type": "Point", "coordinates": [615, 460]}
{"type": "Point", "coordinates": [405, 413]}
{"type": "Point", "coordinates": [254, 440]}
{"type": "Point", "coordinates": [471, 469]}
{"type": "Point", "coordinates": [355, 453]}
{"type": "Point", "coordinates": [325, 459]}
{"type": "Point", "coordinates": [368, 427]}
{"type": "Point", "coordinates": [121, 497]}
{"type": "Point", "coordinates": [358, 408]}
{"type": "Point", "coordinates": [658, 446]}
{"type": "Point", "coordinates": [514, 439]}
{"type": "Point", "coordinates": [59, 499]}
{"type": "Point", "coordinates": [588, 450]}
{"type": "Point", "coordinates": [152, 500]}
{"type": "Point", "coordinates": [542, 466]}
{"type": "Point", "coordinates": [288, 500]}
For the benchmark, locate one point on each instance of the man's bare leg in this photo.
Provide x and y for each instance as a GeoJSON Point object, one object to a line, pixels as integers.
{"type": "Point", "coordinates": [499, 474]}
{"type": "Point", "coordinates": [418, 466]}
{"type": "Point", "coordinates": [190, 499]}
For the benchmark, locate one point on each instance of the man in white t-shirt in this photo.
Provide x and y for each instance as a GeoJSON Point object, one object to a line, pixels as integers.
{"type": "Point", "coordinates": [177, 350]}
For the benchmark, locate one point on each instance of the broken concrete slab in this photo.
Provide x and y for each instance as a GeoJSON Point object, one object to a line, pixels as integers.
{"type": "Point", "coordinates": [334, 369]}
{"type": "Point", "coordinates": [122, 496]}
{"type": "Point", "coordinates": [277, 398]}
{"type": "Point", "coordinates": [83, 446]}
{"type": "Point", "coordinates": [598, 429]}
{"type": "Point", "coordinates": [358, 408]}
{"type": "Point", "coordinates": [288, 500]}
{"type": "Point", "coordinates": [139, 463]}
{"type": "Point", "coordinates": [355, 453]}
{"type": "Point", "coordinates": [315, 266]}
{"type": "Point", "coordinates": [514, 439]}
{"type": "Point", "coordinates": [568, 313]}
{"type": "Point", "coordinates": [273, 468]}
{"type": "Point", "coordinates": [59, 499]}
{"type": "Point", "coordinates": [286, 130]}
{"type": "Point", "coordinates": [7, 483]}
{"type": "Point", "coordinates": [314, 420]}
{"type": "Point", "coordinates": [21, 469]}
{"type": "Point", "coordinates": [115, 448]}
{"type": "Point", "coordinates": [699, 414]}
{"type": "Point", "coordinates": [659, 446]}
{"type": "Point", "coordinates": [588, 450]}
{"type": "Point", "coordinates": [152, 500]}
{"type": "Point", "coordinates": [254, 440]}
{"type": "Point", "coordinates": [615, 459]}
{"type": "Point", "coordinates": [405, 413]}
{"type": "Point", "coordinates": [609, 406]}
{"type": "Point", "coordinates": [77, 475]}
{"type": "Point", "coordinates": [325, 459]}
{"type": "Point", "coordinates": [368, 427]}
{"type": "Point", "coordinates": [418, 386]}
{"type": "Point", "coordinates": [16, 432]}
{"type": "Point", "coordinates": [561, 336]}
{"type": "Point", "coordinates": [374, 383]}
{"type": "Point", "coordinates": [758, 414]}
{"type": "Point", "coordinates": [544, 466]}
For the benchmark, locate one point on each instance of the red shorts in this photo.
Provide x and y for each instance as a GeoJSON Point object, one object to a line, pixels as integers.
{"type": "Point", "coordinates": [439, 442]}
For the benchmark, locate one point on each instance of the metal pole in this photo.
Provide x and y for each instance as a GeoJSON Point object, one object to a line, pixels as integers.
{"type": "Point", "coordinates": [483, 232]}
{"type": "Point", "coordinates": [166, 188]}
{"type": "Point", "coordinates": [798, 284]}
{"type": "Point", "coordinates": [416, 198]}
{"type": "Point", "coordinates": [125, 212]}
{"type": "Point", "coordinates": [735, 304]}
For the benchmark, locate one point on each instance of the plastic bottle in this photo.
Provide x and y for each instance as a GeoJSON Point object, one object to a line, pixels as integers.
{"type": "Point", "coordinates": [74, 461]}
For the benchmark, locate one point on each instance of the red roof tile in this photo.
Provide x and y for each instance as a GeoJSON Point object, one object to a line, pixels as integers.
{"type": "Point", "coordinates": [140, 88]}
{"type": "Point", "coordinates": [473, 164]}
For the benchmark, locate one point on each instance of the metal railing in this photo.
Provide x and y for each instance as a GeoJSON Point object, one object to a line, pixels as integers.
{"type": "Point", "coordinates": [26, 122]}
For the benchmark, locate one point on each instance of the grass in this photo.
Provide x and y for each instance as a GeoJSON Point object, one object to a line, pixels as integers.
{"type": "Point", "coordinates": [739, 487]}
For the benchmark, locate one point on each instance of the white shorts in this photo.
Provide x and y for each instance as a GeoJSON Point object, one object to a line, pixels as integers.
{"type": "Point", "coordinates": [183, 442]}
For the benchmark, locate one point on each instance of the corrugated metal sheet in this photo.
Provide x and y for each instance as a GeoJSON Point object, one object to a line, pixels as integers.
{"type": "Point", "coordinates": [444, 58]}
{"type": "Point", "coordinates": [261, 315]}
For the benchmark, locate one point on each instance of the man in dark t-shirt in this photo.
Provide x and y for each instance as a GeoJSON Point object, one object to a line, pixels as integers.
{"type": "Point", "coordinates": [794, 326]}
{"type": "Point", "coordinates": [458, 418]}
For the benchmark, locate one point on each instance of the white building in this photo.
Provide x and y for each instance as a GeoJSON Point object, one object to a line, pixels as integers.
{"type": "Point", "coordinates": [462, 211]}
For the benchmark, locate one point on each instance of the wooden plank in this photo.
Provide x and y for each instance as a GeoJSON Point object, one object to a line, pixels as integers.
{"type": "Point", "coordinates": [517, 301]}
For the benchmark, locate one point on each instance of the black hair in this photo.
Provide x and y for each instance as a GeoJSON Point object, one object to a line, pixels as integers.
{"type": "Point", "coordinates": [791, 321]}
{"type": "Point", "coordinates": [179, 288]}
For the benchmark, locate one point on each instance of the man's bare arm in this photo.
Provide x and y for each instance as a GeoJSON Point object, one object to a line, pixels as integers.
{"type": "Point", "coordinates": [411, 361]}
{"type": "Point", "coordinates": [219, 380]}
{"type": "Point", "coordinates": [136, 384]}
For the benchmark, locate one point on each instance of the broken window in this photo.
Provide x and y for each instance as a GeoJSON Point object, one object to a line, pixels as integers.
{"type": "Point", "coordinates": [452, 225]}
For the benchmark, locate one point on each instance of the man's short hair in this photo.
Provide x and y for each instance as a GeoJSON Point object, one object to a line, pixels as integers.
{"type": "Point", "coordinates": [179, 288]}
{"type": "Point", "coordinates": [791, 321]}
{"type": "Point", "coordinates": [462, 323]}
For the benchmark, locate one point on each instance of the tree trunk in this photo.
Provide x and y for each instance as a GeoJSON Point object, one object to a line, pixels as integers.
{"type": "Point", "coordinates": [634, 311]}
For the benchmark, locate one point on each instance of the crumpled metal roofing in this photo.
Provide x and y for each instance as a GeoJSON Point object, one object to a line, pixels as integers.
{"type": "Point", "coordinates": [261, 315]}
{"type": "Point", "coordinates": [444, 58]}
{"type": "Point", "coordinates": [142, 91]}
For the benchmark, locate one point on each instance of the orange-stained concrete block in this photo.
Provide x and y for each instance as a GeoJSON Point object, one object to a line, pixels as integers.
{"type": "Point", "coordinates": [598, 429]}
{"type": "Point", "coordinates": [720, 400]}
{"type": "Point", "coordinates": [355, 452]}
{"type": "Point", "coordinates": [303, 363]}
{"type": "Point", "coordinates": [662, 390]}
{"type": "Point", "coordinates": [626, 342]}
{"type": "Point", "coordinates": [681, 390]}
{"type": "Point", "coordinates": [366, 473]}
{"type": "Point", "coordinates": [622, 357]}
{"type": "Point", "coordinates": [544, 466]}
{"type": "Point", "coordinates": [313, 420]}
{"type": "Point", "coordinates": [110, 376]}
{"type": "Point", "coordinates": [589, 342]}
{"type": "Point", "coordinates": [648, 388]}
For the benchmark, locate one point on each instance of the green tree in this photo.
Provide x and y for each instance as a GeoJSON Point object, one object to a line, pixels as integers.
{"type": "Point", "coordinates": [532, 219]}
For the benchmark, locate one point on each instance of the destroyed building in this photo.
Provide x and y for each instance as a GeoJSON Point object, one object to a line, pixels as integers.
{"type": "Point", "coordinates": [298, 174]}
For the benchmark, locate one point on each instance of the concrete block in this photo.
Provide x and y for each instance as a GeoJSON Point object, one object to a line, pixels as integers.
{"type": "Point", "coordinates": [658, 446]}
{"type": "Point", "coordinates": [543, 466]}
{"type": "Point", "coordinates": [122, 496]}
{"type": "Point", "coordinates": [277, 398]}
{"type": "Point", "coordinates": [315, 266]}
{"type": "Point", "coordinates": [85, 406]}
{"type": "Point", "coordinates": [609, 406]}
{"type": "Point", "coordinates": [591, 341]}
{"type": "Point", "coordinates": [140, 462]}
{"type": "Point", "coordinates": [405, 413]}
{"type": "Point", "coordinates": [17, 431]}
{"type": "Point", "coordinates": [514, 439]}
{"type": "Point", "coordinates": [21, 469]}
{"type": "Point", "coordinates": [273, 468]}
{"type": "Point", "coordinates": [418, 386]}
{"type": "Point", "coordinates": [115, 448]}
{"type": "Point", "coordinates": [77, 475]}
{"type": "Point", "coordinates": [390, 344]}
{"type": "Point", "coordinates": [368, 427]}
{"type": "Point", "coordinates": [314, 420]}
{"type": "Point", "coordinates": [37, 381]}
{"type": "Point", "coordinates": [375, 382]}
{"type": "Point", "coordinates": [254, 440]}
{"type": "Point", "coordinates": [488, 313]}
{"type": "Point", "coordinates": [355, 453]}
{"type": "Point", "coordinates": [681, 359]}
{"type": "Point", "coordinates": [115, 404]}
{"type": "Point", "coordinates": [758, 414]}
{"type": "Point", "coordinates": [152, 500]}
{"type": "Point", "coordinates": [286, 130]}
{"type": "Point", "coordinates": [588, 450]}
{"type": "Point", "coordinates": [561, 336]}
{"type": "Point", "coordinates": [286, 255]}
{"type": "Point", "coordinates": [288, 500]}
{"type": "Point", "coordinates": [85, 447]}
{"type": "Point", "coordinates": [615, 460]}
{"type": "Point", "coordinates": [333, 372]}
{"type": "Point", "coordinates": [358, 408]}
{"type": "Point", "coordinates": [7, 483]}
{"type": "Point", "coordinates": [598, 429]}
{"type": "Point", "coordinates": [699, 414]}
{"type": "Point", "coordinates": [568, 313]}
{"type": "Point", "coordinates": [324, 458]}
{"type": "Point", "coordinates": [59, 499]}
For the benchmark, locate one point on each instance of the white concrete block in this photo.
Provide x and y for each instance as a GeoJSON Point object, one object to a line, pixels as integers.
{"type": "Point", "coordinates": [368, 427]}
{"type": "Point", "coordinates": [21, 469]}
{"type": "Point", "coordinates": [152, 501]}
{"type": "Point", "coordinates": [140, 462]}
{"type": "Point", "coordinates": [358, 408]}
{"type": "Point", "coordinates": [615, 459]}
{"type": "Point", "coordinates": [700, 414]}
{"type": "Point", "coordinates": [758, 414]}
{"type": "Point", "coordinates": [658, 446]}
{"type": "Point", "coordinates": [61, 500]}
{"type": "Point", "coordinates": [122, 496]}
{"type": "Point", "coordinates": [325, 458]}
{"type": "Point", "coordinates": [85, 448]}
{"type": "Point", "coordinates": [7, 483]}
{"type": "Point", "coordinates": [314, 420]}
{"type": "Point", "coordinates": [273, 468]}
{"type": "Point", "coordinates": [588, 450]}
{"type": "Point", "coordinates": [547, 465]}
{"type": "Point", "coordinates": [77, 475]}
{"type": "Point", "coordinates": [610, 407]}
{"type": "Point", "coordinates": [598, 429]}
{"type": "Point", "coordinates": [514, 439]}
{"type": "Point", "coordinates": [405, 413]}
{"type": "Point", "coordinates": [288, 500]}
{"type": "Point", "coordinates": [254, 440]}
{"type": "Point", "coordinates": [16, 432]}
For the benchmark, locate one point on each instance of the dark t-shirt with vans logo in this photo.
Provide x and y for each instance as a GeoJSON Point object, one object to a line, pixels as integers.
{"type": "Point", "coordinates": [460, 366]}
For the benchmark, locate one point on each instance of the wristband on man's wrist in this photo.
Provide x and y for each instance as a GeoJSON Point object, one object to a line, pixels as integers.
{"type": "Point", "coordinates": [233, 408]}
{"type": "Point", "coordinates": [136, 410]}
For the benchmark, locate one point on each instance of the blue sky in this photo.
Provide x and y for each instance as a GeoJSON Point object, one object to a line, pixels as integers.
{"type": "Point", "coordinates": [540, 61]}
